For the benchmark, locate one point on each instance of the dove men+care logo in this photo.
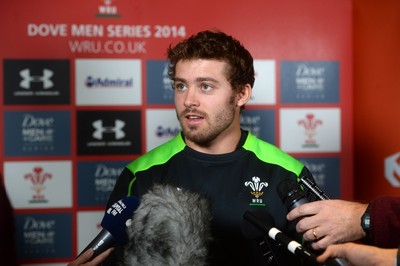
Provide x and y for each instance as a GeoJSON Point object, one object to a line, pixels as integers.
{"type": "Point", "coordinates": [44, 235]}
{"type": "Point", "coordinates": [309, 81]}
{"type": "Point", "coordinates": [30, 133]}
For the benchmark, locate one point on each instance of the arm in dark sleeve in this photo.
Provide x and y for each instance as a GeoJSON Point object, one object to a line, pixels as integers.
{"type": "Point", "coordinates": [385, 221]}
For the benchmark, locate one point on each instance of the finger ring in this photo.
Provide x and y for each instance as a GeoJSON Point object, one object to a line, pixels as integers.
{"type": "Point", "coordinates": [315, 234]}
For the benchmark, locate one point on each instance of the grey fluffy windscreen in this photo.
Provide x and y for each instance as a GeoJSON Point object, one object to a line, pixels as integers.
{"type": "Point", "coordinates": [170, 227]}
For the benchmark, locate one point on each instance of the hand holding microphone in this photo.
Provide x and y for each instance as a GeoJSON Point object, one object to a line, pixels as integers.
{"type": "Point", "coordinates": [294, 198]}
{"type": "Point", "coordinates": [325, 222]}
{"type": "Point", "coordinates": [115, 221]}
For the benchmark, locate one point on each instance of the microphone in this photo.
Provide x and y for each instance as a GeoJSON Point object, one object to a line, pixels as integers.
{"type": "Point", "coordinates": [269, 251]}
{"type": "Point", "coordinates": [313, 188]}
{"type": "Point", "coordinates": [293, 196]}
{"type": "Point", "coordinates": [172, 226]}
{"type": "Point", "coordinates": [292, 246]}
{"type": "Point", "coordinates": [115, 220]}
{"type": "Point", "coordinates": [263, 224]}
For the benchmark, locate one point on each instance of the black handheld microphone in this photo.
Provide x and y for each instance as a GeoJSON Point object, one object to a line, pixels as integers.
{"type": "Point", "coordinates": [293, 196]}
{"type": "Point", "coordinates": [115, 221]}
{"type": "Point", "coordinates": [313, 188]}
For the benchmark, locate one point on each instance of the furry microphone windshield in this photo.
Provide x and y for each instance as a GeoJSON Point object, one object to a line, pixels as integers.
{"type": "Point", "coordinates": [170, 227]}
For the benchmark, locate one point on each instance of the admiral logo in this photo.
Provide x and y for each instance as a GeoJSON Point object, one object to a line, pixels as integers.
{"type": "Point", "coordinates": [256, 186]}
{"type": "Point", "coordinates": [107, 10]}
{"type": "Point", "coordinates": [106, 82]}
{"type": "Point", "coordinates": [27, 79]}
{"type": "Point", "coordinates": [167, 132]}
{"type": "Point", "coordinates": [38, 178]}
{"type": "Point", "coordinates": [36, 81]}
{"type": "Point", "coordinates": [310, 124]}
{"type": "Point", "coordinates": [392, 169]}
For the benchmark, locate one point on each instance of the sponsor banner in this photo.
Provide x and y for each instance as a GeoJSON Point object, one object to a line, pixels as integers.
{"type": "Point", "coordinates": [39, 184]}
{"type": "Point", "coordinates": [89, 226]}
{"type": "Point", "coordinates": [161, 126]}
{"type": "Point", "coordinates": [103, 132]}
{"type": "Point", "coordinates": [326, 172]}
{"type": "Point", "coordinates": [96, 180]}
{"type": "Point", "coordinates": [28, 81]}
{"type": "Point", "coordinates": [260, 123]}
{"type": "Point", "coordinates": [44, 235]}
{"type": "Point", "coordinates": [310, 129]}
{"type": "Point", "coordinates": [264, 90]}
{"type": "Point", "coordinates": [158, 85]}
{"type": "Point", "coordinates": [309, 82]}
{"type": "Point", "coordinates": [37, 133]}
{"type": "Point", "coordinates": [108, 82]}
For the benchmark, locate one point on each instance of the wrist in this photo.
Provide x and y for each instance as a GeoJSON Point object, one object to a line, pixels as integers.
{"type": "Point", "coordinates": [366, 221]}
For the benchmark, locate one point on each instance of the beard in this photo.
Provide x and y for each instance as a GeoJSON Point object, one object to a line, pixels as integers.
{"type": "Point", "coordinates": [204, 135]}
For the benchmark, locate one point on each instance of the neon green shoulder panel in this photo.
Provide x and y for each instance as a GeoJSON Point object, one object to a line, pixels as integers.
{"type": "Point", "coordinates": [157, 156]}
{"type": "Point", "coordinates": [269, 153]}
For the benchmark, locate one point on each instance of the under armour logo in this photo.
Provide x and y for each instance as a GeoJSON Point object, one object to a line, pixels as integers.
{"type": "Point", "coordinates": [100, 129]}
{"type": "Point", "coordinates": [27, 78]}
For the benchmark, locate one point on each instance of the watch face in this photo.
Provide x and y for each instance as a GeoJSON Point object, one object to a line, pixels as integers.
{"type": "Point", "coordinates": [365, 221]}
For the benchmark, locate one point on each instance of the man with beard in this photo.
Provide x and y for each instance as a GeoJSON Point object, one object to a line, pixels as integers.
{"type": "Point", "coordinates": [212, 77]}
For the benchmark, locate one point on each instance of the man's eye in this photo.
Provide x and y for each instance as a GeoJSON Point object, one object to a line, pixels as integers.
{"type": "Point", "coordinates": [207, 87]}
{"type": "Point", "coordinates": [179, 86]}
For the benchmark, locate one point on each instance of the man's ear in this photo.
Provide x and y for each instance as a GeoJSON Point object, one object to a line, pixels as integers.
{"type": "Point", "coordinates": [244, 95]}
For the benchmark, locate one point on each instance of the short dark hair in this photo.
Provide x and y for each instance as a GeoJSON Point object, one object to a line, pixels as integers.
{"type": "Point", "coordinates": [215, 45]}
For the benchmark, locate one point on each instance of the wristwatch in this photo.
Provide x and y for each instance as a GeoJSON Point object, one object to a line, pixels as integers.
{"type": "Point", "coordinates": [365, 220]}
